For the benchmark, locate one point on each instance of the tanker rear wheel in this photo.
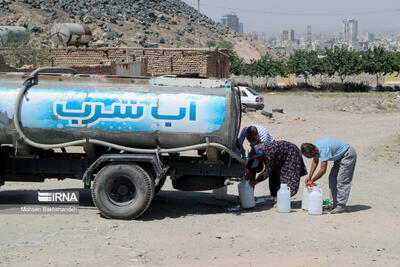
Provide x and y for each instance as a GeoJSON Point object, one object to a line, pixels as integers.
{"type": "Point", "coordinates": [122, 191]}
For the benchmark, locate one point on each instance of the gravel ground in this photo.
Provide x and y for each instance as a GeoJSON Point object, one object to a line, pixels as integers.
{"type": "Point", "coordinates": [182, 228]}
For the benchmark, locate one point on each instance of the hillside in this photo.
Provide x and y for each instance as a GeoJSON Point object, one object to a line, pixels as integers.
{"type": "Point", "coordinates": [120, 23]}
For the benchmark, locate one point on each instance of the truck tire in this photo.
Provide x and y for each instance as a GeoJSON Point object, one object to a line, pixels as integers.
{"type": "Point", "coordinates": [160, 185]}
{"type": "Point", "coordinates": [122, 191]}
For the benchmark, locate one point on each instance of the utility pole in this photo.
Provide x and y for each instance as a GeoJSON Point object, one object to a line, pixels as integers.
{"type": "Point", "coordinates": [198, 20]}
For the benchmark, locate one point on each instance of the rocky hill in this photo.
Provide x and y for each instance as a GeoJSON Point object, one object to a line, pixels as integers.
{"type": "Point", "coordinates": [145, 23]}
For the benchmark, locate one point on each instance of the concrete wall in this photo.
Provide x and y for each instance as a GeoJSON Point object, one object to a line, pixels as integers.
{"type": "Point", "coordinates": [313, 80]}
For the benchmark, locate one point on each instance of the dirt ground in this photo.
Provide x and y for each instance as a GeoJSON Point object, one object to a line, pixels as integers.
{"type": "Point", "coordinates": [192, 228]}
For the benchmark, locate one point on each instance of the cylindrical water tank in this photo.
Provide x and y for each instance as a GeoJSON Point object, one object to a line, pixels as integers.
{"type": "Point", "coordinates": [135, 113]}
{"type": "Point", "coordinates": [70, 34]}
{"type": "Point", "coordinates": [13, 34]}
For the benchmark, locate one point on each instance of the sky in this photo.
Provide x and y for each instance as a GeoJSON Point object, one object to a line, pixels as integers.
{"type": "Point", "coordinates": [273, 16]}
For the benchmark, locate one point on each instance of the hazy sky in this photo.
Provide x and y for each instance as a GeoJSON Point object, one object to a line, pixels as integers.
{"type": "Point", "coordinates": [323, 15]}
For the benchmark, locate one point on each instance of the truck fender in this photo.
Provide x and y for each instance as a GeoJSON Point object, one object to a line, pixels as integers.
{"type": "Point", "coordinates": [158, 167]}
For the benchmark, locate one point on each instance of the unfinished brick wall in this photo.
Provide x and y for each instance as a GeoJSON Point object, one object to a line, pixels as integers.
{"type": "Point", "coordinates": [218, 65]}
{"type": "Point", "coordinates": [76, 57]}
{"type": "Point", "coordinates": [206, 62]}
{"type": "Point", "coordinates": [158, 61]}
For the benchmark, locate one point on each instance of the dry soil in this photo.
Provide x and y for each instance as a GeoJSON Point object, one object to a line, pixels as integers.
{"type": "Point", "coordinates": [192, 228]}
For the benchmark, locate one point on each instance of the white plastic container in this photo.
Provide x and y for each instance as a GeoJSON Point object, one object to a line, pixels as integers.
{"type": "Point", "coordinates": [315, 201]}
{"type": "Point", "coordinates": [304, 201]}
{"type": "Point", "coordinates": [246, 195]}
{"type": "Point", "coordinates": [284, 199]}
{"type": "Point", "coordinates": [221, 193]}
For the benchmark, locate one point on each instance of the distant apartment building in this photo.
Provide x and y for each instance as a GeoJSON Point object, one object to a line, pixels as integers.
{"type": "Point", "coordinates": [350, 30]}
{"type": "Point", "coordinates": [309, 37]}
{"type": "Point", "coordinates": [288, 35]}
{"type": "Point", "coordinates": [232, 21]}
{"type": "Point", "coordinates": [253, 35]}
{"type": "Point", "coordinates": [370, 36]}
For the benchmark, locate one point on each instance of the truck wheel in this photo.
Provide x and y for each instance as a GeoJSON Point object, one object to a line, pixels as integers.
{"type": "Point", "coordinates": [160, 184]}
{"type": "Point", "coordinates": [122, 191]}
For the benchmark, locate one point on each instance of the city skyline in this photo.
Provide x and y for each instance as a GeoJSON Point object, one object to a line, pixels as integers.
{"type": "Point", "coordinates": [273, 16]}
{"type": "Point", "coordinates": [232, 21]}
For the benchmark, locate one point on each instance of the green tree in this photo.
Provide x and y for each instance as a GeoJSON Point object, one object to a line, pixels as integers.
{"type": "Point", "coordinates": [314, 63]}
{"type": "Point", "coordinates": [342, 62]}
{"type": "Point", "coordinates": [237, 65]}
{"type": "Point", "coordinates": [211, 43]}
{"type": "Point", "coordinates": [303, 63]}
{"type": "Point", "coordinates": [253, 70]}
{"type": "Point", "coordinates": [319, 65]}
{"type": "Point", "coordinates": [379, 62]}
{"type": "Point", "coordinates": [269, 67]}
{"type": "Point", "coordinates": [281, 67]}
{"type": "Point", "coordinates": [396, 62]}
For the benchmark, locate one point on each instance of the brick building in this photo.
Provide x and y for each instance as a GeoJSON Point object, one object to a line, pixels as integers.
{"type": "Point", "coordinates": [209, 62]}
{"type": "Point", "coordinates": [158, 61]}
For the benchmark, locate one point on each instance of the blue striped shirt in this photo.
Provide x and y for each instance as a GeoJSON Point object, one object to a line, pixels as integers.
{"type": "Point", "coordinates": [264, 136]}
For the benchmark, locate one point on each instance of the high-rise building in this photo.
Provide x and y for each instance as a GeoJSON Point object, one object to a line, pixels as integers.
{"type": "Point", "coordinates": [350, 30]}
{"type": "Point", "coordinates": [240, 28]}
{"type": "Point", "coordinates": [285, 35]}
{"type": "Point", "coordinates": [291, 35]}
{"type": "Point", "coordinates": [288, 35]}
{"type": "Point", "coordinates": [232, 21]}
{"type": "Point", "coordinates": [309, 37]}
{"type": "Point", "coordinates": [370, 36]}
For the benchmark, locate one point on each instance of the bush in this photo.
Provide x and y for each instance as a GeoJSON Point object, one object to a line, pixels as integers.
{"type": "Point", "coordinates": [346, 87]}
{"type": "Point", "coordinates": [330, 87]}
{"type": "Point", "coordinates": [381, 88]}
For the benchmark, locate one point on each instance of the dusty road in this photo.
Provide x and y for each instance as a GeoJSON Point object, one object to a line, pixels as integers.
{"type": "Point", "coordinates": [192, 228]}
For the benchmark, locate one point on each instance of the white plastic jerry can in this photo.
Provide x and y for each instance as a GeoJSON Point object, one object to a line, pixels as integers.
{"type": "Point", "coordinates": [246, 194]}
{"type": "Point", "coordinates": [315, 201]}
{"type": "Point", "coordinates": [306, 193]}
{"type": "Point", "coordinates": [284, 199]}
{"type": "Point", "coordinates": [221, 193]}
{"type": "Point", "coordinates": [304, 200]}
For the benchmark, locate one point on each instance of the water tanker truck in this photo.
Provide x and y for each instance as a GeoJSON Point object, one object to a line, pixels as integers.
{"type": "Point", "coordinates": [123, 136]}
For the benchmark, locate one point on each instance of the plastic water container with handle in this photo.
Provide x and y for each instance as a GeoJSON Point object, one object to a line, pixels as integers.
{"type": "Point", "coordinates": [283, 199]}
{"type": "Point", "coordinates": [246, 194]}
{"type": "Point", "coordinates": [315, 201]}
{"type": "Point", "coordinates": [221, 193]}
{"type": "Point", "coordinates": [306, 193]}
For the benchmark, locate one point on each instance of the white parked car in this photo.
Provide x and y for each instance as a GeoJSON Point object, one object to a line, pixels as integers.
{"type": "Point", "coordinates": [250, 98]}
